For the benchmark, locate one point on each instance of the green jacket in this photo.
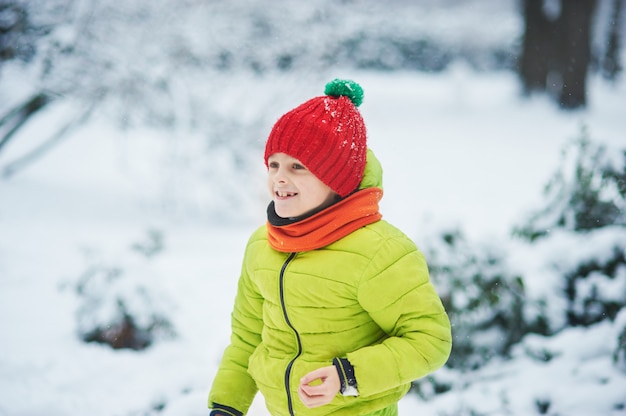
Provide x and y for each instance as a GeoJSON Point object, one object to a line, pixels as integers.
{"type": "Point", "coordinates": [366, 297]}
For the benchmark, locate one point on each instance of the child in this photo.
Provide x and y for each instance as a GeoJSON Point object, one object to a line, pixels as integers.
{"type": "Point", "coordinates": [334, 313]}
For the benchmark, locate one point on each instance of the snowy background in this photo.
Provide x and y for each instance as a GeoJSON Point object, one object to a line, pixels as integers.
{"type": "Point", "coordinates": [153, 209]}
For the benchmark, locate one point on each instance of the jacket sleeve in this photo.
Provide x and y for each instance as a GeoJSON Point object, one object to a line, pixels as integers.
{"type": "Point", "coordinates": [233, 388]}
{"type": "Point", "coordinates": [397, 293]}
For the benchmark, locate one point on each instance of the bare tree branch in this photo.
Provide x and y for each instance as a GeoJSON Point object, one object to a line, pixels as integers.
{"type": "Point", "coordinates": [19, 115]}
{"type": "Point", "coordinates": [21, 162]}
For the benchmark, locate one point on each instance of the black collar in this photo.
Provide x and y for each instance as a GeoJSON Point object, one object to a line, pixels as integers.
{"type": "Point", "coordinates": [277, 221]}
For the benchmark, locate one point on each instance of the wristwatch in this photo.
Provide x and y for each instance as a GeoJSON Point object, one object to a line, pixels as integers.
{"type": "Point", "coordinates": [346, 377]}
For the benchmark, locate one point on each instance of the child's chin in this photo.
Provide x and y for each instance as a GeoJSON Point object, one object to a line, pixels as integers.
{"type": "Point", "coordinates": [286, 213]}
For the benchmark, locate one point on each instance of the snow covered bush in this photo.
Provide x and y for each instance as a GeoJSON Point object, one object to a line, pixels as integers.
{"type": "Point", "coordinates": [484, 300]}
{"type": "Point", "coordinates": [488, 305]}
{"type": "Point", "coordinates": [586, 211]}
{"type": "Point", "coordinates": [121, 303]}
{"type": "Point", "coordinates": [526, 306]}
{"type": "Point", "coordinates": [587, 192]}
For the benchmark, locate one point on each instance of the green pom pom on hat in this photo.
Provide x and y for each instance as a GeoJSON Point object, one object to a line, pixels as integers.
{"type": "Point", "coordinates": [347, 88]}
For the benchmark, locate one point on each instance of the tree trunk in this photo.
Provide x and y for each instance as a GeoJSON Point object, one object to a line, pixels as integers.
{"type": "Point", "coordinates": [575, 43]}
{"type": "Point", "coordinates": [611, 62]}
{"type": "Point", "coordinates": [558, 49]}
{"type": "Point", "coordinates": [537, 48]}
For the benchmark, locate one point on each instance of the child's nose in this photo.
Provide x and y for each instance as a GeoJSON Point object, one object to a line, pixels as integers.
{"type": "Point", "coordinates": [280, 177]}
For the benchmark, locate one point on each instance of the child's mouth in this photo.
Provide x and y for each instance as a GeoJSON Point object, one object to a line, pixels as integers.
{"type": "Point", "coordinates": [285, 194]}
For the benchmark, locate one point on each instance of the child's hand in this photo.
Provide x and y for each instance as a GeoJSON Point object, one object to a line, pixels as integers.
{"type": "Point", "coordinates": [315, 394]}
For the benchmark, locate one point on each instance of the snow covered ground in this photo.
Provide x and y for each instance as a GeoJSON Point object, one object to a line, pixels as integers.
{"type": "Point", "coordinates": [458, 148]}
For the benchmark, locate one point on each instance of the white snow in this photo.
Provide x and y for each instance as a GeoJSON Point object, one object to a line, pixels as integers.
{"type": "Point", "coordinates": [457, 148]}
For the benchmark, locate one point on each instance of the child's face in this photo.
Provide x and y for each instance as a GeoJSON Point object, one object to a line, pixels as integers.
{"type": "Point", "coordinates": [294, 189]}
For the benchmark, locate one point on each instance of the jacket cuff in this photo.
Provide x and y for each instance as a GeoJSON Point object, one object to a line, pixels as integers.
{"type": "Point", "coordinates": [223, 410]}
{"type": "Point", "coordinates": [346, 377]}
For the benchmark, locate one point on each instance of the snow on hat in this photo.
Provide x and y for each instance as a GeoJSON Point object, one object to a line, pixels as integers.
{"type": "Point", "coordinates": [327, 134]}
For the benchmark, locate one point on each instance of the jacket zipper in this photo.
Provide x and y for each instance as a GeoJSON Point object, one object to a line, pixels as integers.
{"type": "Point", "coordinates": [282, 303]}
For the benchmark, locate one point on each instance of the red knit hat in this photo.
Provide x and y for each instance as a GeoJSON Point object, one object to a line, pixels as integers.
{"type": "Point", "coordinates": [327, 134]}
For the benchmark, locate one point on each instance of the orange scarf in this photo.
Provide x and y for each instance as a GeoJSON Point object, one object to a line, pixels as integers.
{"type": "Point", "coordinates": [328, 225]}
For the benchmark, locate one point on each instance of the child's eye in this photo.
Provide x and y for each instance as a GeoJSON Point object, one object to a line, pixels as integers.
{"type": "Point", "coordinates": [298, 166]}
{"type": "Point", "coordinates": [273, 165]}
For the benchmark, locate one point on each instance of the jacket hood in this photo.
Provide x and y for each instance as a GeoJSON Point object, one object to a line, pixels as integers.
{"type": "Point", "coordinates": [373, 174]}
